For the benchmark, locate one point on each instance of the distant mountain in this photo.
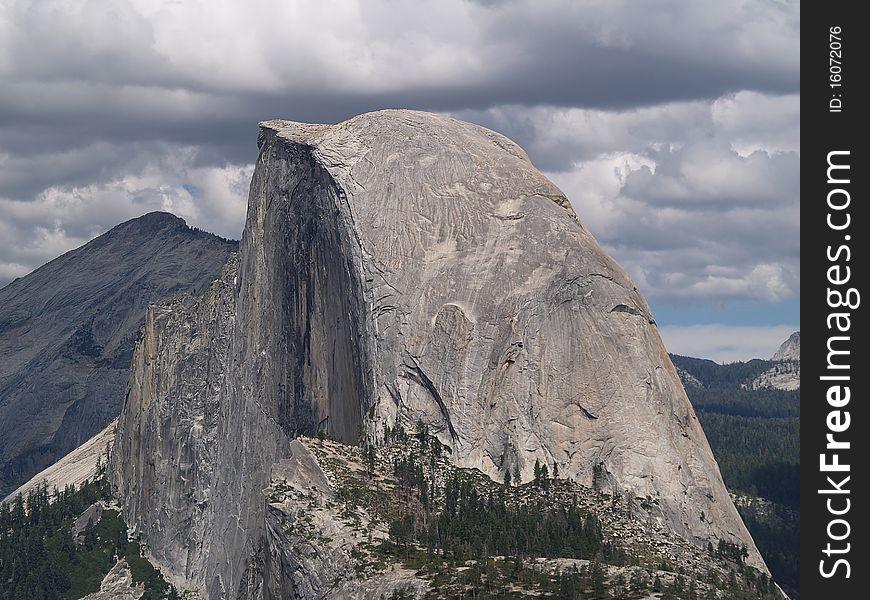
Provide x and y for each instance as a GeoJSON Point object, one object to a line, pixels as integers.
{"type": "Point", "coordinates": [67, 332]}
{"type": "Point", "coordinates": [790, 349]}
{"type": "Point", "coordinates": [785, 373]}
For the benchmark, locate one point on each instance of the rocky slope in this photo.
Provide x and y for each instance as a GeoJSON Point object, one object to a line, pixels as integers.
{"type": "Point", "coordinates": [332, 521]}
{"type": "Point", "coordinates": [784, 375]}
{"type": "Point", "coordinates": [67, 332]}
{"type": "Point", "coordinates": [331, 515]}
{"type": "Point", "coordinates": [74, 468]}
{"type": "Point", "coordinates": [395, 268]}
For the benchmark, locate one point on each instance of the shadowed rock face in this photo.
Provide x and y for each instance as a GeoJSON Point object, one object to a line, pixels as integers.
{"type": "Point", "coordinates": [67, 332]}
{"type": "Point", "coordinates": [301, 299]}
{"type": "Point", "coordinates": [397, 267]}
{"type": "Point", "coordinates": [221, 384]}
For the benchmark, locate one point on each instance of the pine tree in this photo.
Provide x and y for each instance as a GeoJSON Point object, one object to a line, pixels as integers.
{"type": "Point", "coordinates": [596, 574]}
{"type": "Point", "coordinates": [679, 584]}
{"type": "Point", "coordinates": [638, 581]}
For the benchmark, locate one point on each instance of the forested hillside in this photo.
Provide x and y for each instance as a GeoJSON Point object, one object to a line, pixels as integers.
{"type": "Point", "coordinates": [755, 437]}
{"type": "Point", "coordinates": [41, 557]}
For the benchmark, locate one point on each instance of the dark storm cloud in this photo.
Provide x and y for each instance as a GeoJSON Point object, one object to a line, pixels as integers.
{"type": "Point", "coordinates": [146, 67]}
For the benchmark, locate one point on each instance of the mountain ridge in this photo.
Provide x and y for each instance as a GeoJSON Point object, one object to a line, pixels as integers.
{"type": "Point", "coordinates": [67, 332]}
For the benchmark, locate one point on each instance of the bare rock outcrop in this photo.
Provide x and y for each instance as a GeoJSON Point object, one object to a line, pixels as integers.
{"type": "Point", "coordinates": [395, 268]}
{"type": "Point", "coordinates": [790, 349]}
{"type": "Point", "coordinates": [90, 517]}
{"type": "Point", "coordinates": [688, 380]}
{"type": "Point", "coordinates": [118, 585]}
{"type": "Point", "coordinates": [783, 375]}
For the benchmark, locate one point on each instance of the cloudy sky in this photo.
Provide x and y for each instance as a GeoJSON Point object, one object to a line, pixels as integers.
{"type": "Point", "coordinates": [673, 127]}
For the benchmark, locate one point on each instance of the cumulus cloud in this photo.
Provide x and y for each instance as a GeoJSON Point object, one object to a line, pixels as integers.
{"type": "Point", "coordinates": [63, 217]}
{"type": "Point", "coordinates": [684, 195]}
{"type": "Point", "coordinates": [725, 343]}
{"type": "Point", "coordinates": [754, 121]}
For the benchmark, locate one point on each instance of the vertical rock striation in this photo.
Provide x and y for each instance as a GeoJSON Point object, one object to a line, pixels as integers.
{"type": "Point", "coordinates": [221, 384]}
{"type": "Point", "coordinates": [397, 267]}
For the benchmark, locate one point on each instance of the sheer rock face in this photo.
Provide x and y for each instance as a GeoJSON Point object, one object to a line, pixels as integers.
{"type": "Point", "coordinates": [397, 267]}
{"type": "Point", "coordinates": [67, 332]}
{"type": "Point", "coordinates": [221, 384]}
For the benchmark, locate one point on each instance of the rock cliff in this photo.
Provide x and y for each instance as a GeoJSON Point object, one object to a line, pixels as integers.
{"type": "Point", "coordinates": [67, 332]}
{"type": "Point", "coordinates": [395, 268]}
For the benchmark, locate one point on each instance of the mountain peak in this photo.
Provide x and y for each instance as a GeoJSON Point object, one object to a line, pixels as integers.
{"type": "Point", "coordinates": [152, 222]}
{"type": "Point", "coordinates": [158, 216]}
{"type": "Point", "coordinates": [790, 349]}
